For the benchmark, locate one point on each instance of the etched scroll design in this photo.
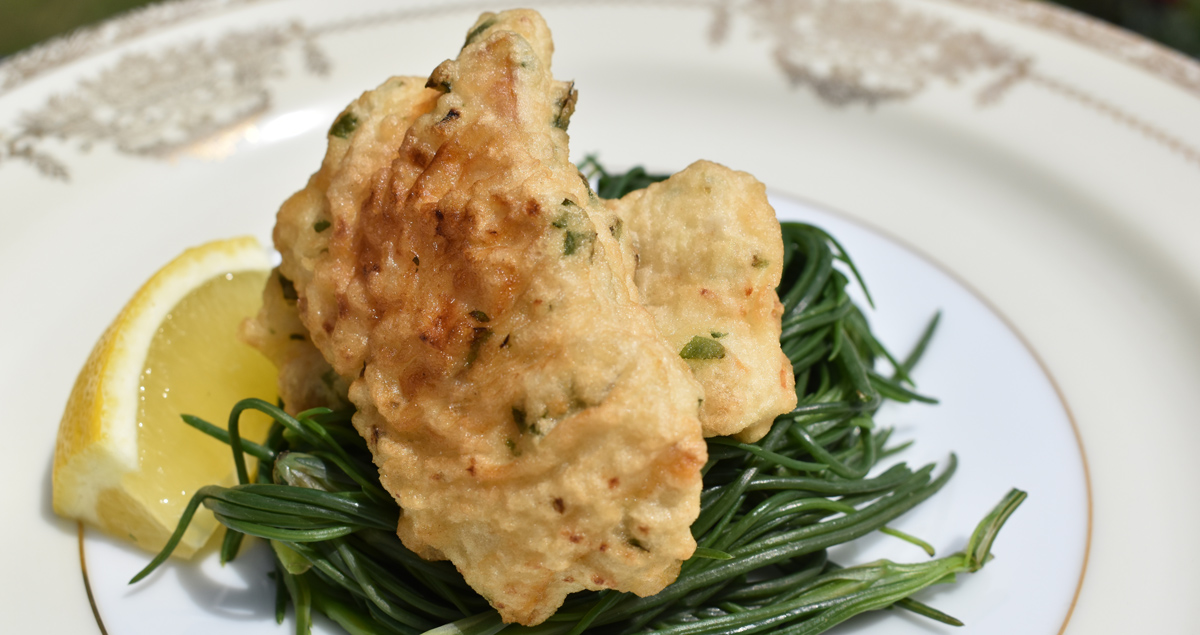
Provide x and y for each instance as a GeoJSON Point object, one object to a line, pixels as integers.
{"type": "Point", "coordinates": [847, 52]}
{"type": "Point", "coordinates": [155, 104]}
{"type": "Point", "coordinates": [873, 51]}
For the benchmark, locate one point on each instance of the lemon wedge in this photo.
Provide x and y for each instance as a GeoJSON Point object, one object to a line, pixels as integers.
{"type": "Point", "coordinates": [124, 461]}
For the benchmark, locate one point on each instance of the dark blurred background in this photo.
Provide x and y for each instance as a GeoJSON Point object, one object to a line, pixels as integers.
{"type": "Point", "coordinates": [23, 23]}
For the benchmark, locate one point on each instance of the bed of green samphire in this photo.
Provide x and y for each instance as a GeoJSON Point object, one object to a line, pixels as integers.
{"type": "Point", "coordinates": [768, 512]}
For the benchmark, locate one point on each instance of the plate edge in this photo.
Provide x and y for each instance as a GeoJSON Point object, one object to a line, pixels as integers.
{"type": "Point", "coordinates": [1008, 323]}
{"type": "Point", "coordinates": [1113, 41]}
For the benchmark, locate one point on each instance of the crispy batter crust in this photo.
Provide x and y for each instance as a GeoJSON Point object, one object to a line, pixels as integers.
{"type": "Point", "coordinates": [707, 255]}
{"type": "Point", "coordinates": [306, 380]}
{"type": "Point", "coordinates": [521, 405]}
{"type": "Point", "coordinates": [377, 121]}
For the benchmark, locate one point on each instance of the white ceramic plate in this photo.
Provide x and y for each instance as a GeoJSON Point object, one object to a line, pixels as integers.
{"type": "Point", "coordinates": [976, 363]}
{"type": "Point", "coordinates": [1048, 162]}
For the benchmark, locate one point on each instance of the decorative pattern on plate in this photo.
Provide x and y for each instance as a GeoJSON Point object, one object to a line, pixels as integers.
{"type": "Point", "coordinates": [30, 63]}
{"type": "Point", "coordinates": [156, 104]}
{"type": "Point", "coordinates": [1154, 133]}
{"type": "Point", "coordinates": [873, 51]}
{"type": "Point", "coordinates": [1131, 48]}
{"type": "Point", "coordinates": [846, 51]}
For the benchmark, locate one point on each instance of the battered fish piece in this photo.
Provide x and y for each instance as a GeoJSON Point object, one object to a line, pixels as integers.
{"type": "Point", "coordinates": [306, 380]}
{"type": "Point", "coordinates": [707, 254]}
{"type": "Point", "coordinates": [377, 121]}
{"type": "Point", "coordinates": [522, 407]}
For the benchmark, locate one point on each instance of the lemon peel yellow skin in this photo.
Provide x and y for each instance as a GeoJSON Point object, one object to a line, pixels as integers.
{"type": "Point", "coordinates": [124, 462]}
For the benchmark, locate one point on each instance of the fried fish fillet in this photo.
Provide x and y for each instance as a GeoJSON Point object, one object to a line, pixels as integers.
{"type": "Point", "coordinates": [521, 405]}
{"type": "Point", "coordinates": [706, 253]}
{"type": "Point", "coordinates": [362, 142]}
{"type": "Point", "coordinates": [306, 380]}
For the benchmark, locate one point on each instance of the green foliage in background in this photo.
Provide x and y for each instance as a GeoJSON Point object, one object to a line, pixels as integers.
{"type": "Point", "coordinates": [24, 23]}
{"type": "Point", "coordinates": [1175, 23]}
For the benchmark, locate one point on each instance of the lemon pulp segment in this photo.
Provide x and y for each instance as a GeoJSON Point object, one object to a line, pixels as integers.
{"type": "Point", "coordinates": [196, 365]}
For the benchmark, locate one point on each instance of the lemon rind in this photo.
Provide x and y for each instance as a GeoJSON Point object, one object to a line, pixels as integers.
{"type": "Point", "coordinates": [106, 391]}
